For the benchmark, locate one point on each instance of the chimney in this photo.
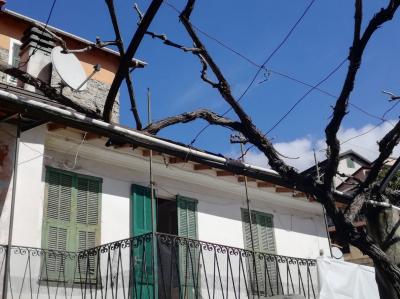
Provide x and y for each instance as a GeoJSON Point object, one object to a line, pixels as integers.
{"type": "Point", "coordinates": [35, 54]}
{"type": "Point", "coordinates": [2, 4]}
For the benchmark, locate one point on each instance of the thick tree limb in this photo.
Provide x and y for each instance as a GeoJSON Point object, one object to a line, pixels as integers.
{"type": "Point", "coordinates": [47, 90]}
{"type": "Point", "coordinates": [251, 132]}
{"type": "Point", "coordinates": [123, 69]}
{"type": "Point", "coordinates": [355, 56]}
{"type": "Point", "coordinates": [121, 49]}
{"type": "Point", "coordinates": [391, 238]}
{"type": "Point", "coordinates": [386, 146]}
{"type": "Point", "coordinates": [205, 114]}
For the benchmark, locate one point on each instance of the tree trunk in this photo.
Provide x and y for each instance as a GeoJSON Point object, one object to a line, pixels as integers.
{"type": "Point", "coordinates": [383, 226]}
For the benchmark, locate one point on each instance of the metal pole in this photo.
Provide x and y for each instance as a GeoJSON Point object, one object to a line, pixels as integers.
{"type": "Point", "coordinates": [152, 205]}
{"type": "Point", "coordinates": [250, 221]}
{"type": "Point", "coordinates": [323, 208]}
{"type": "Point", "coordinates": [11, 223]}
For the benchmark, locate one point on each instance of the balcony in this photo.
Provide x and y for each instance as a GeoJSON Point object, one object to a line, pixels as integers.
{"type": "Point", "coordinates": [156, 266]}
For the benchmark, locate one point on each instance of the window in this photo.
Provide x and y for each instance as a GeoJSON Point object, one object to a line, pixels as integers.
{"type": "Point", "coordinates": [13, 58]}
{"type": "Point", "coordinates": [71, 223]}
{"type": "Point", "coordinates": [264, 275]}
{"type": "Point", "coordinates": [350, 163]}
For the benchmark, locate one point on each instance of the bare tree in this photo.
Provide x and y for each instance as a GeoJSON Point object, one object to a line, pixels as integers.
{"type": "Point", "coordinates": [381, 240]}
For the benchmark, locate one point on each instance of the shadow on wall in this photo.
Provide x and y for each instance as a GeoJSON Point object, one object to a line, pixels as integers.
{"type": "Point", "coordinates": [117, 182]}
{"type": "Point", "coordinates": [6, 163]}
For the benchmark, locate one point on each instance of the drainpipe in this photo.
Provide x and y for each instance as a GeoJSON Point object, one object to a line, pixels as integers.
{"type": "Point", "coordinates": [11, 223]}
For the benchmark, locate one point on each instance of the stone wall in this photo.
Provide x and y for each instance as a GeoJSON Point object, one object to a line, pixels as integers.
{"type": "Point", "coordinates": [93, 97]}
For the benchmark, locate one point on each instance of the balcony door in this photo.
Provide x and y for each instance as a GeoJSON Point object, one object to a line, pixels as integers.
{"type": "Point", "coordinates": [142, 252]}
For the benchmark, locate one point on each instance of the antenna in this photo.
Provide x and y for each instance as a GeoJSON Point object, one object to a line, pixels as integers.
{"type": "Point", "coordinates": [70, 70]}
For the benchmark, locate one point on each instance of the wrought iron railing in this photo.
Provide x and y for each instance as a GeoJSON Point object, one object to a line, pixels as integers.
{"type": "Point", "coordinates": [179, 268]}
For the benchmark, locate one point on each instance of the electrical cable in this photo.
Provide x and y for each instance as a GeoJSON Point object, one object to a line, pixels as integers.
{"type": "Point", "coordinates": [331, 73]}
{"type": "Point", "coordinates": [269, 57]}
{"type": "Point", "coordinates": [262, 67]}
{"type": "Point", "coordinates": [279, 73]}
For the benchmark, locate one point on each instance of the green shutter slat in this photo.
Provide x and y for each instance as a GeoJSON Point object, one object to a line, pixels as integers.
{"type": "Point", "coordinates": [87, 201]}
{"type": "Point", "coordinates": [86, 240]}
{"type": "Point", "coordinates": [59, 196]}
{"type": "Point", "coordinates": [57, 240]}
{"type": "Point", "coordinates": [93, 202]}
{"type": "Point", "coordinates": [81, 201]}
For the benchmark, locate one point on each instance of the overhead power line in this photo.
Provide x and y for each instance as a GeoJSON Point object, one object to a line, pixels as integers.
{"type": "Point", "coordinates": [279, 73]}
{"type": "Point", "coordinates": [260, 68]}
{"type": "Point", "coordinates": [286, 76]}
{"type": "Point", "coordinates": [330, 74]}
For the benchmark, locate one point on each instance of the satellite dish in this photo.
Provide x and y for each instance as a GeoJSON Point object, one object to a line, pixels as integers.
{"type": "Point", "coordinates": [337, 253]}
{"type": "Point", "coordinates": [69, 69]}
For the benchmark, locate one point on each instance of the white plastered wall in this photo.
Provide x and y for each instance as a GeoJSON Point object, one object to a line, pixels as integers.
{"type": "Point", "coordinates": [299, 225]}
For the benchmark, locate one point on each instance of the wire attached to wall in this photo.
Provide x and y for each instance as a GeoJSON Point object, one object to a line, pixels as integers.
{"type": "Point", "coordinates": [76, 155]}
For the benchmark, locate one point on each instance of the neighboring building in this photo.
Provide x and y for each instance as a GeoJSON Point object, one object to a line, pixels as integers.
{"type": "Point", "coordinates": [353, 167]}
{"type": "Point", "coordinates": [349, 162]}
{"type": "Point", "coordinates": [84, 215]}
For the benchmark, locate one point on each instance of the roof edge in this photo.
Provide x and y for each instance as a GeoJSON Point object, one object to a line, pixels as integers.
{"type": "Point", "coordinates": [65, 33]}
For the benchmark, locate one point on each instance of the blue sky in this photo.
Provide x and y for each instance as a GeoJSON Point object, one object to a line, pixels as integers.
{"type": "Point", "coordinates": [317, 46]}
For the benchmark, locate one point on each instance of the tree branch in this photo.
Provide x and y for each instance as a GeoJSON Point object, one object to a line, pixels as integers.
{"type": "Point", "coordinates": [386, 146]}
{"type": "Point", "coordinates": [355, 56]}
{"type": "Point", "coordinates": [47, 90]}
{"type": "Point", "coordinates": [163, 37]}
{"type": "Point", "coordinates": [205, 114]}
{"type": "Point", "coordinates": [250, 131]}
{"type": "Point", "coordinates": [121, 49]}
{"type": "Point", "coordinates": [123, 69]}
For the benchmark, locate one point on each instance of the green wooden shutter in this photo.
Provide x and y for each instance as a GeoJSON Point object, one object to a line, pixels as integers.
{"type": "Point", "coordinates": [71, 222]}
{"type": "Point", "coordinates": [142, 254]}
{"type": "Point", "coordinates": [188, 256]}
{"type": "Point", "coordinates": [264, 241]}
{"type": "Point", "coordinates": [57, 223]}
{"type": "Point", "coordinates": [141, 210]}
{"type": "Point", "coordinates": [187, 217]}
{"type": "Point", "coordinates": [87, 221]}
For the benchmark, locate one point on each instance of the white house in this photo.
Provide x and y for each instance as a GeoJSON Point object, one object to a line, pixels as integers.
{"type": "Point", "coordinates": [84, 223]}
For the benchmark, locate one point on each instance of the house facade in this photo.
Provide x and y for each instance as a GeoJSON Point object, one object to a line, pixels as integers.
{"type": "Point", "coordinates": [352, 169]}
{"type": "Point", "coordinates": [85, 222]}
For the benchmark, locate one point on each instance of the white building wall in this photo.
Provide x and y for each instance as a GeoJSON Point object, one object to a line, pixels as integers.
{"type": "Point", "coordinates": [345, 169]}
{"type": "Point", "coordinates": [299, 225]}
{"type": "Point", "coordinates": [219, 216]}
{"type": "Point", "coordinates": [30, 189]}
{"type": "Point", "coordinates": [7, 153]}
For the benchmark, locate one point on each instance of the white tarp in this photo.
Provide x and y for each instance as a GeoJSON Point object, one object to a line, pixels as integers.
{"type": "Point", "coordinates": [343, 280]}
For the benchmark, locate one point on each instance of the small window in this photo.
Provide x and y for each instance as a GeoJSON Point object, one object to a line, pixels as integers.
{"type": "Point", "coordinates": [350, 163]}
{"type": "Point", "coordinates": [13, 58]}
